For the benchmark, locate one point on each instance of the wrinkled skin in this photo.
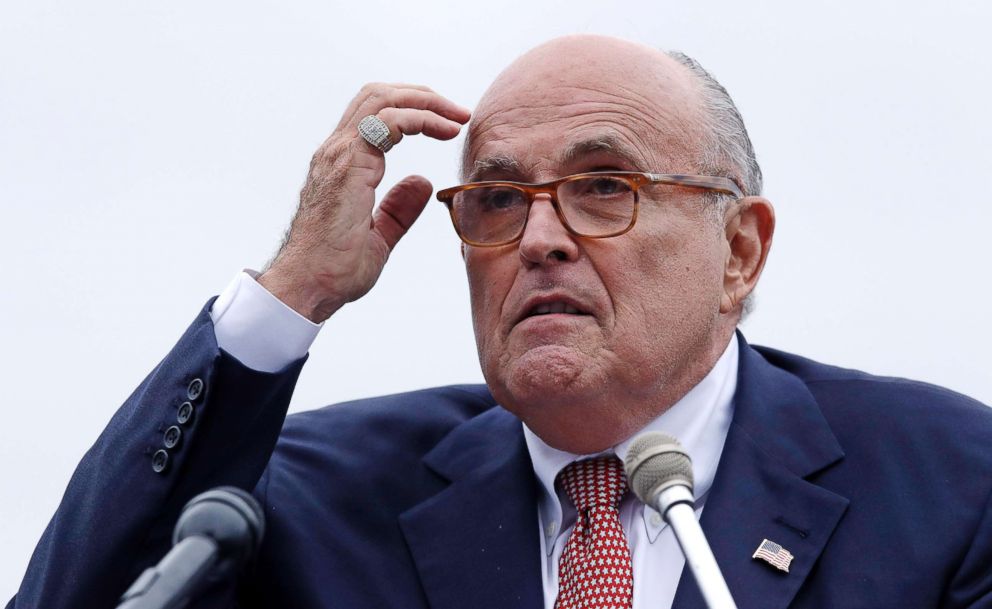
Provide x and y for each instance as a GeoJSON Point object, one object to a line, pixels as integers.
{"type": "Point", "coordinates": [339, 241]}
{"type": "Point", "coordinates": [657, 305]}
{"type": "Point", "coordinates": [662, 300]}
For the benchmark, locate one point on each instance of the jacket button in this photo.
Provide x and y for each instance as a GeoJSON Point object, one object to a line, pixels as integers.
{"type": "Point", "coordinates": [172, 437]}
{"type": "Point", "coordinates": [185, 414]}
{"type": "Point", "coordinates": [195, 389]}
{"type": "Point", "coordinates": [160, 460]}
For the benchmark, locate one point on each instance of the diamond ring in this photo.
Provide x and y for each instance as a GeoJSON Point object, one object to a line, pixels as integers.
{"type": "Point", "coordinates": [374, 131]}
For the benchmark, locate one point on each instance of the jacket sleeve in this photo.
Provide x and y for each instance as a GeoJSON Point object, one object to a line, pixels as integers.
{"type": "Point", "coordinates": [199, 420]}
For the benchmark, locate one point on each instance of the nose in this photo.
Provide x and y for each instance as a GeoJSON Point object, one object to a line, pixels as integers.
{"type": "Point", "coordinates": [545, 239]}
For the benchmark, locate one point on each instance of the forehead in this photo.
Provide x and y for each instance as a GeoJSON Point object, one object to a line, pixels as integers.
{"type": "Point", "coordinates": [542, 116]}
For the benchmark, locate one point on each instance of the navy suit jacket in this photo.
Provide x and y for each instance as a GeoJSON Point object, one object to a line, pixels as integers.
{"type": "Point", "coordinates": [879, 487]}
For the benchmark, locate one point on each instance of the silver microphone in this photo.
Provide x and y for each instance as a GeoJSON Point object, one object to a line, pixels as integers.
{"type": "Point", "coordinates": [660, 474]}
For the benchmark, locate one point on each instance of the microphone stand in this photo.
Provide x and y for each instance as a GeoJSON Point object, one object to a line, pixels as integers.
{"type": "Point", "coordinates": [217, 532]}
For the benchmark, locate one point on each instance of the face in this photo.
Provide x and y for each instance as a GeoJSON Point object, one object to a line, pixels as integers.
{"type": "Point", "coordinates": [585, 339]}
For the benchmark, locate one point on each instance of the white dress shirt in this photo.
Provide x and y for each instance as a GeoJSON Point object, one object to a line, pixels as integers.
{"type": "Point", "coordinates": [257, 328]}
{"type": "Point", "coordinates": [264, 334]}
{"type": "Point", "coordinates": [700, 421]}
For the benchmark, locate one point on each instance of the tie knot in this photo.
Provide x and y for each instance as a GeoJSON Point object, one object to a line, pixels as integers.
{"type": "Point", "coordinates": [597, 482]}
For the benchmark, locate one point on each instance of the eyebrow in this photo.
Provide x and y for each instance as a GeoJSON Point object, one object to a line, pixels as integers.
{"type": "Point", "coordinates": [500, 163]}
{"type": "Point", "coordinates": [506, 165]}
{"type": "Point", "coordinates": [603, 143]}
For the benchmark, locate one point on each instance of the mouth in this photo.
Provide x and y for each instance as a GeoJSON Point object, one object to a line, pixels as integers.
{"type": "Point", "coordinates": [552, 306]}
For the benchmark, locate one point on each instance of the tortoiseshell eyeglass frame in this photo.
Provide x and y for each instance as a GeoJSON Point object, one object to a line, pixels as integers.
{"type": "Point", "coordinates": [636, 179]}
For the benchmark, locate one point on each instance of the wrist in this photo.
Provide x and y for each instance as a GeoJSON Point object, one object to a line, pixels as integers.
{"type": "Point", "coordinates": [307, 297]}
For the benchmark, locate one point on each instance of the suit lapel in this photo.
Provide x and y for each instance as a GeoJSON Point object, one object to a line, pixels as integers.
{"type": "Point", "coordinates": [777, 440]}
{"type": "Point", "coordinates": [476, 543]}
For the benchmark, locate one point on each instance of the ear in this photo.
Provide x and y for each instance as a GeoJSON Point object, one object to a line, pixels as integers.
{"type": "Point", "coordinates": [749, 224]}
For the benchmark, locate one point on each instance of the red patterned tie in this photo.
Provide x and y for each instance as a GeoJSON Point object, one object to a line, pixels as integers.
{"type": "Point", "coordinates": [595, 570]}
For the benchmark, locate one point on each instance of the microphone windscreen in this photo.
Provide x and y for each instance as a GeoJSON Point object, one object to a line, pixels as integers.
{"type": "Point", "coordinates": [656, 461]}
{"type": "Point", "coordinates": [228, 515]}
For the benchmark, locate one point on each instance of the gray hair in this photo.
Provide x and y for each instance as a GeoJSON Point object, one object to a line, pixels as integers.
{"type": "Point", "coordinates": [729, 149]}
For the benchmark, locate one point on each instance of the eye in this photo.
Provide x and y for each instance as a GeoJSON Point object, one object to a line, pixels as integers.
{"type": "Point", "coordinates": [605, 187]}
{"type": "Point", "coordinates": [497, 199]}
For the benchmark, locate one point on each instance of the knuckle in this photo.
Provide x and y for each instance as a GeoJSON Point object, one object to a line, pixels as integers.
{"type": "Point", "coordinates": [374, 90]}
{"type": "Point", "coordinates": [328, 154]}
{"type": "Point", "coordinates": [369, 93]}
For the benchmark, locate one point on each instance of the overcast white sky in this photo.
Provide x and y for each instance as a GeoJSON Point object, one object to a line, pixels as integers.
{"type": "Point", "coordinates": [149, 151]}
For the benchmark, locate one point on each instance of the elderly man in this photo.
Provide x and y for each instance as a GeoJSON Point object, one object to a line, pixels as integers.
{"type": "Point", "coordinates": [613, 230]}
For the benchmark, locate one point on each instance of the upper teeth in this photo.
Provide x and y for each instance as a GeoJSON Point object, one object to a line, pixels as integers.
{"type": "Point", "coordinates": [555, 307]}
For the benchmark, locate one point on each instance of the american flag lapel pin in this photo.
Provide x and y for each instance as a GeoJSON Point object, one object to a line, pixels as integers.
{"type": "Point", "coordinates": [773, 554]}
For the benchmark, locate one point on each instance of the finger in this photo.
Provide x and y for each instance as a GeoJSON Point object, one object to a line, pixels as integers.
{"type": "Point", "coordinates": [376, 96]}
{"type": "Point", "coordinates": [407, 121]}
{"type": "Point", "coordinates": [427, 100]}
{"type": "Point", "coordinates": [406, 85]}
{"type": "Point", "coordinates": [358, 107]}
{"type": "Point", "coordinates": [400, 208]}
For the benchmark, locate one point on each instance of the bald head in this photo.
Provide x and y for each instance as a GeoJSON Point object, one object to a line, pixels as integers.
{"type": "Point", "coordinates": [644, 313]}
{"type": "Point", "coordinates": [575, 75]}
{"type": "Point", "coordinates": [669, 98]}
{"type": "Point", "coordinates": [586, 61]}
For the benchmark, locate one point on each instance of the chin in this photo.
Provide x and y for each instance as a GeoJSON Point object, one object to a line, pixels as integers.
{"type": "Point", "coordinates": [548, 375]}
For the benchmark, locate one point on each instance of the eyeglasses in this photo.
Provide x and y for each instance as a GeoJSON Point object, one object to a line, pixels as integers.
{"type": "Point", "coordinates": [596, 205]}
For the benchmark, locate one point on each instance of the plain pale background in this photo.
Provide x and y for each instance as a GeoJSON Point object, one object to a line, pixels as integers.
{"type": "Point", "coordinates": [149, 151]}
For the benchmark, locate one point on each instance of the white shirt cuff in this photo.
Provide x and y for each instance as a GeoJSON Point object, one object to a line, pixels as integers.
{"type": "Point", "coordinates": [257, 328]}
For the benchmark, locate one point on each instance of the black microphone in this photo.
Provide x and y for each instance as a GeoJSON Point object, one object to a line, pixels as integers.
{"type": "Point", "coordinates": [660, 474]}
{"type": "Point", "coordinates": [217, 532]}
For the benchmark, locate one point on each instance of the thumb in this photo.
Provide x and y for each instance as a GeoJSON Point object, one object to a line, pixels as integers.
{"type": "Point", "coordinates": [400, 208]}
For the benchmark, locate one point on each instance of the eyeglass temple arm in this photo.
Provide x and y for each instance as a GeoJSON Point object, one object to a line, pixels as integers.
{"type": "Point", "coordinates": [709, 182]}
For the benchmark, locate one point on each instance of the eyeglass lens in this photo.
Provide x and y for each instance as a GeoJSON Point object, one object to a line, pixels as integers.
{"type": "Point", "coordinates": [592, 206]}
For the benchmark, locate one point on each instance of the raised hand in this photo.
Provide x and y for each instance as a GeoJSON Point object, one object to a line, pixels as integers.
{"type": "Point", "coordinates": [337, 246]}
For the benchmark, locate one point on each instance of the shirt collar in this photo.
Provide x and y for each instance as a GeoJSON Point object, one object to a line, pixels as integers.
{"type": "Point", "coordinates": [700, 421]}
